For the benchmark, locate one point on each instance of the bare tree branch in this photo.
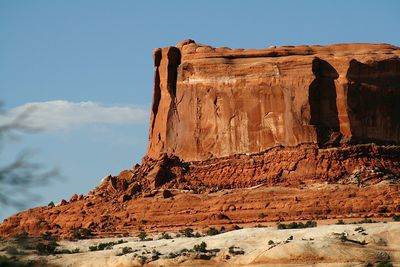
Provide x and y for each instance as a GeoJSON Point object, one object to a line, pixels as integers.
{"type": "Point", "coordinates": [22, 174]}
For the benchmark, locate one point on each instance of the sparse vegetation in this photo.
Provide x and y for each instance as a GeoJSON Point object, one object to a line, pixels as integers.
{"type": "Point", "coordinates": [81, 233]}
{"type": "Point", "coordinates": [340, 222]}
{"type": "Point", "coordinates": [165, 236]}
{"type": "Point", "coordinates": [142, 236]}
{"type": "Point", "coordinates": [212, 231]}
{"type": "Point", "coordinates": [125, 250]}
{"type": "Point", "coordinates": [106, 245]}
{"type": "Point", "coordinates": [172, 255]}
{"type": "Point", "coordinates": [48, 236]}
{"type": "Point", "coordinates": [396, 218]}
{"type": "Point", "coordinates": [365, 220]}
{"type": "Point", "coordinates": [384, 264]}
{"type": "Point", "coordinates": [297, 225]}
{"type": "Point", "coordinates": [200, 248]}
{"type": "Point", "coordinates": [188, 232]}
{"type": "Point", "coordinates": [24, 241]}
{"type": "Point", "coordinates": [197, 235]}
{"type": "Point", "coordinates": [51, 204]}
{"type": "Point", "coordinates": [236, 250]}
{"type": "Point", "coordinates": [14, 262]}
{"type": "Point", "coordinates": [271, 242]}
{"type": "Point", "coordinates": [47, 248]}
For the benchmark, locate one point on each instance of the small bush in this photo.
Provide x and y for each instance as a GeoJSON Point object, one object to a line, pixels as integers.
{"type": "Point", "coordinates": [365, 220]}
{"type": "Point", "coordinates": [67, 251]}
{"type": "Point", "coordinates": [340, 222]}
{"type": "Point", "coordinates": [46, 249]}
{"type": "Point", "coordinates": [271, 242]}
{"type": "Point", "coordinates": [125, 250]}
{"type": "Point", "coordinates": [172, 255]}
{"type": "Point", "coordinates": [48, 236]}
{"type": "Point", "coordinates": [81, 233]}
{"type": "Point", "coordinates": [262, 215]}
{"type": "Point", "coordinates": [295, 225]}
{"type": "Point", "coordinates": [24, 241]}
{"type": "Point", "coordinates": [200, 248]}
{"type": "Point", "coordinates": [212, 231]}
{"type": "Point", "coordinates": [165, 236]}
{"type": "Point", "coordinates": [197, 235]}
{"type": "Point", "coordinates": [384, 264]}
{"type": "Point", "coordinates": [236, 250]}
{"type": "Point", "coordinates": [142, 236]}
{"type": "Point", "coordinates": [51, 204]}
{"type": "Point", "coordinates": [396, 218]}
{"type": "Point", "coordinates": [13, 262]}
{"type": "Point", "coordinates": [106, 245]}
{"type": "Point", "coordinates": [188, 232]}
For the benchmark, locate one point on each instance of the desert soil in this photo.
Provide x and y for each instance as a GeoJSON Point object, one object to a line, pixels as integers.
{"type": "Point", "coordinates": [325, 245]}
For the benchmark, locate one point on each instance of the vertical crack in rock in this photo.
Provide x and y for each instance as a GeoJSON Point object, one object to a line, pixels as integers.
{"type": "Point", "coordinates": [157, 89]}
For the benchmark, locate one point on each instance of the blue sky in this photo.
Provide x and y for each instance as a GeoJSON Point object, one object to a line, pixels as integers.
{"type": "Point", "coordinates": [87, 67]}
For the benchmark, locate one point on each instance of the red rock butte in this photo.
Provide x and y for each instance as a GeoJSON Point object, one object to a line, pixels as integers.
{"type": "Point", "coordinates": [292, 132]}
{"type": "Point", "coordinates": [216, 102]}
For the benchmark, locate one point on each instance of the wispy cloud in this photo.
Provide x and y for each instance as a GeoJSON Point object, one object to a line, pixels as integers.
{"type": "Point", "coordinates": [61, 114]}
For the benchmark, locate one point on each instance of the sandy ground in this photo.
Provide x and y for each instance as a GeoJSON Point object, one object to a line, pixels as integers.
{"type": "Point", "coordinates": [320, 246]}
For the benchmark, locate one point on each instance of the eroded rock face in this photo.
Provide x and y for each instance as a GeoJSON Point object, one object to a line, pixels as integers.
{"type": "Point", "coordinates": [214, 102]}
{"type": "Point", "coordinates": [285, 131]}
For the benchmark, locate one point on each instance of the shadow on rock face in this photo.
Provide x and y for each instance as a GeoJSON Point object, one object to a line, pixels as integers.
{"type": "Point", "coordinates": [322, 98]}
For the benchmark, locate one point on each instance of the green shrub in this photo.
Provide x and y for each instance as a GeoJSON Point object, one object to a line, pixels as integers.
{"type": "Point", "coordinates": [384, 264]}
{"type": "Point", "coordinates": [106, 245]}
{"type": "Point", "coordinates": [165, 236]}
{"type": "Point", "coordinates": [197, 235]}
{"type": "Point", "coordinates": [200, 248]}
{"type": "Point", "coordinates": [396, 218]}
{"type": "Point", "coordinates": [125, 250]}
{"type": "Point", "coordinates": [24, 241]}
{"type": "Point", "coordinates": [13, 262]}
{"type": "Point", "coordinates": [340, 222]}
{"type": "Point", "coordinates": [271, 242]}
{"type": "Point", "coordinates": [142, 236]}
{"type": "Point", "coordinates": [47, 249]}
{"type": "Point", "coordinates": [81, 233]}
{"type": "Point", "coordinates": [188, 232]}
{"type": "Point", "coordinates": [48, 236]}
{"type": "Point", "coordinates": [296, 225]}
{"type": "Point", "coordinates": [212, 231]}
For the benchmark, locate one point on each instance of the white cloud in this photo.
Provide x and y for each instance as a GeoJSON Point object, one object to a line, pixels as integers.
{"type": "Point", "coordinates": [60, 114]}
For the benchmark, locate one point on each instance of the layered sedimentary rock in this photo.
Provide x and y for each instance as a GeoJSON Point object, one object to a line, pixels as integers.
{"type": "Point", "coordinates": [214, 102]}
{"type": "Point", "coordinates": [306, 132]}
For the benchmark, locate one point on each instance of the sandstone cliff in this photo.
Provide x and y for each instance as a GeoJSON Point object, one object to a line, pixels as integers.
{"type": "Point", "coordinates": [215, 102]}
{"type": "Point", "coordinates": [306, 132]}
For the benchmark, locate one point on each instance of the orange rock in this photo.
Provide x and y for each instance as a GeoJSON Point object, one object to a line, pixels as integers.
{"type": "Point", "coordinates": [211, 103]}
{"type": "Point", "coordinates": [240, 137]}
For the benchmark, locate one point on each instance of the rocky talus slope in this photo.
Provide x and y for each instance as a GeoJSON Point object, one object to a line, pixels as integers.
{"type": "Point", "coordinates": [293, 133]}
